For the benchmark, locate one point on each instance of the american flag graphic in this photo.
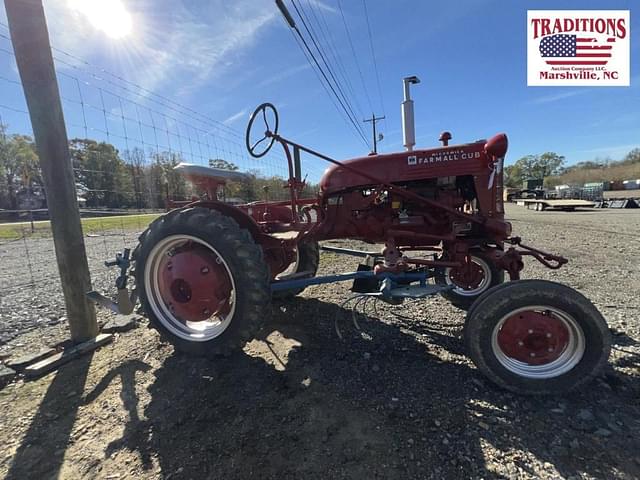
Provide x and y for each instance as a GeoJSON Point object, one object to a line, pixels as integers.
{"type": "Point", "coordinates": [565, 49]}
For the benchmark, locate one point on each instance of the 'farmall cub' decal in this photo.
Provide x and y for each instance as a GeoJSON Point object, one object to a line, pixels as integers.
{"type": "Point", "coordinates": [439, 157]}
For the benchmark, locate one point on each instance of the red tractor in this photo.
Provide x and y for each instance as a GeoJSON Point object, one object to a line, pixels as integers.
{"type": "Point", "coordinates": [206, 272]}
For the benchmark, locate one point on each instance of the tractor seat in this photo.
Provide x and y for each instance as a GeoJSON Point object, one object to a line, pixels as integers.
{"type": "Point", "coordinates": [216, 174]}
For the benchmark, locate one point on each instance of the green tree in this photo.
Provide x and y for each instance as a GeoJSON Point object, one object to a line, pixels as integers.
{"type": "Point", "coordinates": [513, 176]}
{"type": "Point", "coordinates": [19, 166]}
{"type": "Point", "coordinates": [27, 163]}
{"type": "Point", "coordinates": [632, 157]}
{"type": "Point", "coordinates": [99, 168]}
{"type": "Point", "coordinates": [536, 166]}
{"type": "Point", "coordinates": [222, 164]}
{"type": "Point", "coordinates": [135, 161]}
{"type": "Point", "coordinates": [168, 181]}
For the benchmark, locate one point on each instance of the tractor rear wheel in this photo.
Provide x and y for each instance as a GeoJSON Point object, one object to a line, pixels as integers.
{"type": "Point", "coordinates": [307, 260]}
{"type": "Point", "coordinates": [469, 283]}
{"type": "Point", "coordinates": [202, 281]}
{"type": "Point", "coordinates": [537, 337]}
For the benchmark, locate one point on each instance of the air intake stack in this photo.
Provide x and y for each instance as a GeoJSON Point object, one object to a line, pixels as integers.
{"type": "Point", "coordinates": [408, 125]}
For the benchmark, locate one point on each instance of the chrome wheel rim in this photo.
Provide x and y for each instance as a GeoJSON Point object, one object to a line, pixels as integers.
{"type": "Point", "coordinates": [563, 354]}
{"type": "Point", "coordinates": [195, 331]}
{"type": "Point", "coordinates": [482, 286]}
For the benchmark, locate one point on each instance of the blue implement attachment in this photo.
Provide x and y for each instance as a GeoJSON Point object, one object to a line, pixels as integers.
{"type": "Point", "coordinates": [393, 285]}
{"type": "Point", "coordinates": [349, 251]}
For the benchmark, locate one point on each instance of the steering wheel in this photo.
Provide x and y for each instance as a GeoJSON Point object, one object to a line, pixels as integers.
{"type": "Point", "coordinates": [269, 134]}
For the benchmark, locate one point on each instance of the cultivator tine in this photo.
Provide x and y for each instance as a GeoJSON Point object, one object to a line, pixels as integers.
{"type": "Point", "coordinates": [343, 305]}
{"type": "Point", "coordinates": [365, 303]}
{"type": "Point", "coordinates": [354, 311]}
{"type": "Point", "coordinates": [337, 318]}
{"type": "Point", "coordinates": [375, 308]}
{"type": "Point", "coordinates": [361, 301]}
{"type": "Point", "coordinates": [335, 325]}
{"type": "Point", "coordinates": [354, 319]}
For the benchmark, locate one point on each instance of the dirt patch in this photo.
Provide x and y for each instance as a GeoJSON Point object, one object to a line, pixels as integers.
{"type": "Point", "coordinates": [398, 399]}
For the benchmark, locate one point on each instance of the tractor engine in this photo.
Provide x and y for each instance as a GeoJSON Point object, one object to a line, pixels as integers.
{"type": "Point", "coordinates": [462, 178]}
{"type": "Point", "coordinates": [454, 192]}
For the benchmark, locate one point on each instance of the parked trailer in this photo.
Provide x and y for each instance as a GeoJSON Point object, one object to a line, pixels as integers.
{"type": "Point", "coordinates": [621, 199]}
{"type": "Point", "coordinates": [547, 204]}
{"type": "Point", "coordinates": [620, 194]}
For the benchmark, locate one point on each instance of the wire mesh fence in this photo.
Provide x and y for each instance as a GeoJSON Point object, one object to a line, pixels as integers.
{"type": "Point", "coordinates": [124, 142]}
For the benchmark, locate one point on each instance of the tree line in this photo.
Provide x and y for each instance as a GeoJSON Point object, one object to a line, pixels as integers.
{"type": "Point", "coordinates": [552, 168]}
{"type": "Point", "coordinates": [108, 178]}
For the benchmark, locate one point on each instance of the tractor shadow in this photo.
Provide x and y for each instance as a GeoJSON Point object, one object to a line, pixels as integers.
{"type": "Point", "coordinates": [382, 403]}
{"type": "Point", "coordinates": [42, 450]}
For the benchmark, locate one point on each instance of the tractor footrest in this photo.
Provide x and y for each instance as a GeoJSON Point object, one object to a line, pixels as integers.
{"type": "Point", "coordinates": [417, 291]}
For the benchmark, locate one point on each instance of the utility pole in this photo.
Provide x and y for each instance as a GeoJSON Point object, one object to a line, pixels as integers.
{"type": "Point", "coordinates": [373, 121]}
{"type": "Point", "coordinates": [30, 39]}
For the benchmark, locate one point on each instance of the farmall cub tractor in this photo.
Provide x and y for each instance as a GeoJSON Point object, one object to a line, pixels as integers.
{"type": "Point", "coordinates": [206, 272]}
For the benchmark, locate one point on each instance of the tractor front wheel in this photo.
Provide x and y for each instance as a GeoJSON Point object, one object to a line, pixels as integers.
{"type": "Point", "coordinates": [471, 281]}
{"type": "Point", "coordinates": [202, 281]}
{"type": "Point", "coordinates": [537, 337]}
{"type": "Point", "coordinates": [307, 259]}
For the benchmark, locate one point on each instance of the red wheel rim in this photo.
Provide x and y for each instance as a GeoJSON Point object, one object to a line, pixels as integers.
{"type": "Point", "coordinates": [469, 276]}
{"type": "Point", "coordinates": [534, 338]}
{"type": "Point", "coordinates": [194, 284]}
{"type": "Point", "coordinates": [471, 279]}
{"type": "Point", "coordinates": [538, 342]}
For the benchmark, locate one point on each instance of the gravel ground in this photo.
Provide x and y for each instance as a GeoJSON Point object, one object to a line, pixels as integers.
{"type": "Point", "coordinates": [398, 399]}
{"type": "Point", "coordinates": [31, 303]}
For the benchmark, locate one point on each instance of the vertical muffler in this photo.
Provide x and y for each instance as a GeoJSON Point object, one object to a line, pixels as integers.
{"type": "Point", "coordinates": [408, 122]}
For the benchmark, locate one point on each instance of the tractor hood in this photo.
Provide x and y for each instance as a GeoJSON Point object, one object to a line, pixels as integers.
{"type": "Point", "coordinates": [465, 159]}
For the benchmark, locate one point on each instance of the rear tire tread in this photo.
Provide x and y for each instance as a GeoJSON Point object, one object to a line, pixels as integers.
{"type": "Point", "coordinates": [245, 257]}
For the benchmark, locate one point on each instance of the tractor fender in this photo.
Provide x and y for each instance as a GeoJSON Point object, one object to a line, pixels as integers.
{"type": "Point", "coordinates": [242, 219]}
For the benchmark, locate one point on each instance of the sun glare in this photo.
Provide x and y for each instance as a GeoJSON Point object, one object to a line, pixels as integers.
{"type": "Point", "coordinates": [108, 16]}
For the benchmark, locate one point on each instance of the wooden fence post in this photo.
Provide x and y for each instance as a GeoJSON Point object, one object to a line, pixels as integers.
{"type": "Point", "coordinates": [30, 39]}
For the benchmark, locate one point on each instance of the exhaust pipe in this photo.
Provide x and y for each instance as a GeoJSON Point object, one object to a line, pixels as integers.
{"type": "Point", "coordinates": [408, 125]}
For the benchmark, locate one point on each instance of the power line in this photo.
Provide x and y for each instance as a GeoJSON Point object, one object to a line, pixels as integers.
{"type": "Point", "coordinates": [355, 57]}
{"type": "Point", "coordinates": [323, 27]}
{"type": "Point", "coordinates": [343, 101]}
{"type": "Point", "coordinates": [373, 55]}
{"type": "Point", "coordinates": [318, 73]}
{"type": "Point", "coordinates": [313, 61]}
{"type": "Point", "coordinates": [323, 56]}
{"type": "Point", "coordinates": [319, 77]}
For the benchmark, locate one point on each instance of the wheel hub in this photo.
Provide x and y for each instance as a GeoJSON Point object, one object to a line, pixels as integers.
{"type": "Point", "coordinates": [468, 277]}
{"type": "Point", "coordinates": [534, 338]}
{"type": "Point", "coordinates": [194, 284]}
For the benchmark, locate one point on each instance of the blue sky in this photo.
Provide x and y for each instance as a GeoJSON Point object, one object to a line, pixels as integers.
{"type": "Point", "coordinates": [223, 58]}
